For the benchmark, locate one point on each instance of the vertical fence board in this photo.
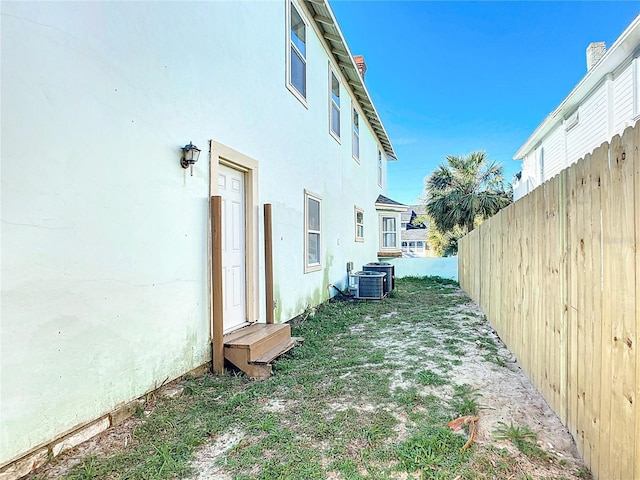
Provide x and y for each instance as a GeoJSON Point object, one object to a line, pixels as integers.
{"type": "Point", "coordinates": [546, 301]}
{"type": "Point", "coordinates": [555, 304]}
{"type": "Point", "coordinates": [542, 320]}
{"type": "Point", "coordinates": [525, 303]}
{"type": "Point", "coordinates": [533, 313]}
{"type": "Point", "coordinates": [595, 167]}
{"type": "Point", "coordinates": [563, 339]}
{"type": "Point", "coordinates": [507, 298]}
{"type": "Point", "coordinates": [485, 274]}
{"type": "Point", "coordinates": [572, 266]}
{"type": "Point", "coordinates": [623, 315]}
{"type": "Point", "coordinates": [514, 323]}
{"type": "Point", "coordinates": [580, 277]}
{"type": "Point", "coordinates": [585, 307]}
{"type": "Point", "coordinates": [518, 286]}
{"type": "Point", "coordinates": [608, 274]}
{"type": "Point", "coordinates": [600, 416]}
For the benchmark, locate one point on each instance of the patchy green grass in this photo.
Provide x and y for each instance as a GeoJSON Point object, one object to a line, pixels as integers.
{"type": "Point", "coordinates": [522, 437]}
{"type": "Point", "coordinates": [368, 395]}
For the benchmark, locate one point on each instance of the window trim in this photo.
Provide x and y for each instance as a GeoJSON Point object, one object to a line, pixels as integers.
{"type": "Point", "coordinates": [332, 74]}
{"type": "Point", "coordinates": [356, 210]}
{"type": "Point", "coordinates": [380, 168]}
{"type": "Point", "coordinates": [289, 43]}
{"type": "Point", "coordinates": [313, 267]}
{"type": "Point", "coordinates": [355, 135]}
{"type": "Point", "coordinates": [382, 232]}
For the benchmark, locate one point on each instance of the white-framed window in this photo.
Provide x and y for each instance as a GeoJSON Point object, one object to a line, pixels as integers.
{"type": "Point", "coordinates": [296, 53]}
{"type": "Point", "coordinates": [334, 104]}
{"type": "Point", "coordinates": [636, 86]}
{"type": "Point", "coordinates": [405, 249]}
{"type": "Point", "coordinates": [359, 222]}
{"type": "Point", "coordinates": [356, 135]}
{"type": "Point", "coordinates": [571, 121]}
{"type": "Point", "coordinates": [312, 232]}
{"type": "Point", "coordinates": [388, 232]}
{"type": "Point", "coordinates": [379, 168]}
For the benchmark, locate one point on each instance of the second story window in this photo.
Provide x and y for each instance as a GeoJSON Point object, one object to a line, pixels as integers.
{"type": "Point", "coordinates": [334, 105]}
{"type": "Point", "coordinates": [356, 135]}
{"type": "Point", "coordinates": [379, 168]}
{"type": "Point", "coordinates": [297, 74]}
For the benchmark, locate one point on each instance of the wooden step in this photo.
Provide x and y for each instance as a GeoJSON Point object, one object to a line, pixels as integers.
{"type": "Point", "coordinates": [258, 338]}
{"type": "Point", "coordinates": [253, 348]}
{"type": "Point", "coordinates": [278, 350]}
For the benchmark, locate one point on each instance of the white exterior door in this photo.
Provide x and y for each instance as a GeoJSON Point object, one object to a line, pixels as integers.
{"type": "Point", "coordinates": [232, 186]}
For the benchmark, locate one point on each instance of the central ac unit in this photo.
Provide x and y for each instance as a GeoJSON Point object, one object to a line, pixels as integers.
{"type": "Point", "coordinates": [370, 285]}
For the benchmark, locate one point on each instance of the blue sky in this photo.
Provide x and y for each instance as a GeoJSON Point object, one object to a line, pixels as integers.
{"type": "Point", "coordinates": [454, 77]}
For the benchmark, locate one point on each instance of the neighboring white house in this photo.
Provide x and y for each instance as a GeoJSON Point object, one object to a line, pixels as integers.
{"type": "Point", "coordinates": [414, 232]}
{"type": "Point", "coordinates": [106, 239]}
{"type": "Point", "coordinates": [603, 104]}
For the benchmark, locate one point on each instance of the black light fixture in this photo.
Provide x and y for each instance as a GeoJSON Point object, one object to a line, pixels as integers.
{"type": "Point", "coordinates": [190, 154]}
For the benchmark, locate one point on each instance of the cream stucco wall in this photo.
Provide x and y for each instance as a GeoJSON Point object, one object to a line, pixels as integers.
{"type": "Point", "coordinates": [104, 237]}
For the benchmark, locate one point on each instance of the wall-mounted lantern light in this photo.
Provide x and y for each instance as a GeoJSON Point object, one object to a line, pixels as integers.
{"type": "Point", "coordinates": [190, 154]}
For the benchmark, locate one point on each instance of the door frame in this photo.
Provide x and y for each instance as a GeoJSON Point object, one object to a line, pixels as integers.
{"type": "Point", "coordinates": [220, 154]}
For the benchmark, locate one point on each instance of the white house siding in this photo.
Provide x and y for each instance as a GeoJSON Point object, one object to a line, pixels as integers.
{"type": "Point", "coordinates": [623, 99]}
{"type": "Point", "coordinates": [528, 176]}
{"type": "Point", "coordinates": [607, 109]}
{"type": "Point", "coordinates": [105, 237]}
{"type": "Point", "coordinates": [591, 129]}
{"type": "Point", "coordinates": [554, 153]}
{"type": "Point", "coordinates": [604, 102]}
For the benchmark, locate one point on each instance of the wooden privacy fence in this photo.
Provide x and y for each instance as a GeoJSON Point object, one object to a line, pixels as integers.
{"type": "Point", "coordinates": [555, 273]}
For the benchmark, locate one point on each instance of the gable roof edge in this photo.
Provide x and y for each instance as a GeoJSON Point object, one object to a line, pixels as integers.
{"type": "Point", "coordinates": [326, 23]}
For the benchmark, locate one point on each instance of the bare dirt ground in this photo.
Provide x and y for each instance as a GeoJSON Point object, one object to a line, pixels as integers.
{"type": "Point", "coordinates": [506, 395]}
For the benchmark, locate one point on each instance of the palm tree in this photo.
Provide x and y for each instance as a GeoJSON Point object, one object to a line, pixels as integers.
{"type": "Point", "coordinates": [465, 190]}
{"type": "Point", "coordinates": [444, 244]}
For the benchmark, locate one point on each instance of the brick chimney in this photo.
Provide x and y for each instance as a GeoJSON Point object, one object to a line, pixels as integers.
{"type": "Point", "coordinates": [595, 51]}
{"type": "Point", "coordinates": [362, 67]}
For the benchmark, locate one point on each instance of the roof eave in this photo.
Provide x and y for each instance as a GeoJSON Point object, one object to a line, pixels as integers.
{"type": "Point", "coordinates": [326, 22]}
{"type": "Point", "coordinates": [394, 208]}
